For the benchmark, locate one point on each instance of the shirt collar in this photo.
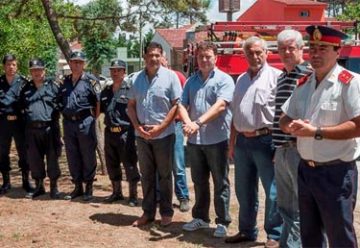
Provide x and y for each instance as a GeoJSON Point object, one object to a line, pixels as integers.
{"type": "Point", "coordinates": [211, 74]}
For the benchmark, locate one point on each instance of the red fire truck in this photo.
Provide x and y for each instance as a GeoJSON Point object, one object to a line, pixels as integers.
{"type": "Point", "coordinates": [229, 37]}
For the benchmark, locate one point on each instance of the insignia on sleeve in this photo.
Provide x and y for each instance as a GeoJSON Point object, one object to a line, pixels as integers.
{"type": "Point", "coordinates": [345, 77]}
{"type": "Point", "coordinates": [97, 88]}
{"type": "Point", "coordinates": [302, 80]}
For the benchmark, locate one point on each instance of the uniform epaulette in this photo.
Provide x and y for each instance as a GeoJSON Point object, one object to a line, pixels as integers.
{"type": "Point", "coordinates": [302, 80]}
{"type": "Point", "coordinates": [345, 77]}
{"type": "Point", "coordinates": [23, 78]}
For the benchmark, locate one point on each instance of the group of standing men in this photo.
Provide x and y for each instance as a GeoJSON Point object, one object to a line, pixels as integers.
{"type": "Point", "coordinates": [295, 130]}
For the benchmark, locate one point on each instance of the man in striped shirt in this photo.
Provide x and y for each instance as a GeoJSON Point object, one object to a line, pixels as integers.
{"type": "Point", "coordinates": [290, 48]}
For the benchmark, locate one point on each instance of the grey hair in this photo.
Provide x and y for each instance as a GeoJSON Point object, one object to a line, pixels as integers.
{"type": "Point", "coordinates": [254, 39]}
{"type": "Point", "coordinates": [291, 34]}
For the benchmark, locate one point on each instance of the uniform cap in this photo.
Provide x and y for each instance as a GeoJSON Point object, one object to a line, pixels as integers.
{"type": "Point", "coordinates": [324, 35]}
{"type": "Point", "coordinates": [117, 63]}
{"type": "Point", "coordinates": [77, 55]}
{"type": "Point", "coordinates": [36, 64]}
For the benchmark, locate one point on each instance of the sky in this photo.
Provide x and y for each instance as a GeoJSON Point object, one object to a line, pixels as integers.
{"type": "Point", "coordinates": [213, 14]}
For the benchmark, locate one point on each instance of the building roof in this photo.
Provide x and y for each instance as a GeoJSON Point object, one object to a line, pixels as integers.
{"type": "Point", "coordinates": [174, 36]}
{"type": "Point", "coordinates": [300, 2]}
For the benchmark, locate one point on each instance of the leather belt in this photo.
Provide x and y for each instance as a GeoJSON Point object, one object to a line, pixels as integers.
{"type": "Point", "coordinates": [314, 164]}
{"type": "Point", "coordinates": [38, 124]}
{"type": "Point", "coordinates": [288, 144]}
{"type": "Point", "coordinates": [81, 115]}
{"type": "Point", "coordinates": [257, 132]}
{"type": "Point", "coordinates": [9, 117]}
{"type": "Point", "coordinates": [117, 129]}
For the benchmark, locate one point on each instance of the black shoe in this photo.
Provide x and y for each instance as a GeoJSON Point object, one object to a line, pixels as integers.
{"type": "Point", "coordinates": [88, 195]}
{"type": "Point", "coordinates": [239, 237]}
{"type": "Point", "coordinates": [113, 198]}
{"type": "Point", "coordinates": [54, 192]}
{"type": "Point", "coordinates": [26, 183]}
{"type": "Point", "coordinates": [6, 186]}
{"type": "Point", "coordinates": [133, 194]}
{"type": "Point", "coordinates": [39, 190]}
{"type": "Point", "coordinates": [78, 191]}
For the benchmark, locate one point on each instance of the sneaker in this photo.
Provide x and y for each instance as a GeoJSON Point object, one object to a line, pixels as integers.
{"type": "Point", "coordinates": [184, 205]}
{"type": "Point", "coordinates": [195, 224]}
{"type": "Point", "coordinates": [220, 231]}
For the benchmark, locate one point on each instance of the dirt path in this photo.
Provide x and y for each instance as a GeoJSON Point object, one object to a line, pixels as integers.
{"type": "Point", "coordinates": [47, 223]}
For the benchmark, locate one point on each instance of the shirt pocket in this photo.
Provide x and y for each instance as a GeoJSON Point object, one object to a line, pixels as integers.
{"type": "Point", "coordinates": [329, 113]}
{"type": "Point", "coordinates": [262, 96]}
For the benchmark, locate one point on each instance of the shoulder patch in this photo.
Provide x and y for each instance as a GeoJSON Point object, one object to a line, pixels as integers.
{"type": "Point", "coordinates": [302, 80]}
{"type": "Point", "coordinates": [345, 77]}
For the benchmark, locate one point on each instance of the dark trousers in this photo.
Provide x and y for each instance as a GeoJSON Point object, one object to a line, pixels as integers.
{"type": "Point", "coordinates": [326, 201]}
{"type": "Point", "coordinates": [156, 156]}
{"type": "Point", "coordinates": [206, 159]}
{"type": "Point", "coordinates": [120, 148]}
{"type": "Point", "coordinates": [41, 143]}
{"type": "Point", "coordinates": [10, 129]}
{"type": "Point", "coordinates": [80, 145]}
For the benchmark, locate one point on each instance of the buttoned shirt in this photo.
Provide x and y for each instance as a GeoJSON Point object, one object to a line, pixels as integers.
{"type": "Point", "coordinates": [330, 104]}
{"type": "Point", "coordinates": [10, 94]}
{"type": "Point", "coordinates": [82, 95]}
{"type": "Point", "coordinates": [253, 105]}
{"type": "Point", "coordinates": [40, 103]}
{"type": "Point", "coordinates": [199, 95]}
{"type": "Point", "coordinates": [114, 105]}
{"type": "Point", "coordinates": [154, 98]}
{"type": "Point", "coordinates": [285, 86]}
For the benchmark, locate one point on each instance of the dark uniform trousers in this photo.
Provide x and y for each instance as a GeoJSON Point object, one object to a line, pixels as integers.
{"type": "Point", "coordinates": [326, 202]}
{"type": "Point", "coordinates": [120, 148]}
{"type": "Point", "coordinates": [80, 144]}
{"type": "Point", "coordinates": [156, 155]}
{"type": "Point", "coordinates": [9, 129]}
{"type": "Point", "coordinates": [41, 141]}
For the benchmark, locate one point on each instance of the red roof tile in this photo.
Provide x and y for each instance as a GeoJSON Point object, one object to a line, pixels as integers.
{"type": "Point", "coordinates": [300, 2]}
{"type": "Point", "coordinates": [174, 36]}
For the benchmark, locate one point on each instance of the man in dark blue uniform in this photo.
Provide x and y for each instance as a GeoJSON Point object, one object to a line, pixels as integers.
{"type": "Point", "coordinates": [12, 125]}
{"type": "Point", "coordinates": [39, 101]}
{"type": "Point", "coordinates": [81, 106]}
{"type": "Point", "coordinates": [119, 134]}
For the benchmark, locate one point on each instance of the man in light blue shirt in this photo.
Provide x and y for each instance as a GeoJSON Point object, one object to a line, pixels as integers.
{"type": "Point", "coordinates": [152, 106]}
{"type": "Point", "coordinates": [204, 109]}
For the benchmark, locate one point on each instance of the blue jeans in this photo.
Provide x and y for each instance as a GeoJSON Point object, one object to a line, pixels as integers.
{"type": "Point", "coordinates": [253, 160]}
{"type": "Point", "coordinates": [286, 173]}
{"type": "Point", "coordinates": [206, 159]}
{"type": "Point", "coordinates": [179, 170]}
{"type": "Point", "coordinates": [326, 202]}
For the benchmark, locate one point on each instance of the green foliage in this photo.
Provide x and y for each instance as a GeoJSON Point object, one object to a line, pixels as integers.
{"type": "Point", "coordinates": [351, 13]}
{"type": "Point", "coordinates": [25, 32]}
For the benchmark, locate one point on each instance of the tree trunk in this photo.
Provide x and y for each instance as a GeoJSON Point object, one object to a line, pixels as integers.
{"type": "Point", "coordinates": [55, 28]}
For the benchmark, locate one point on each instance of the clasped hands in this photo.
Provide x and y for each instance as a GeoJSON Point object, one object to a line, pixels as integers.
{"type": "Point", "coordinates": [301, 128]}
{"type": "Point", "coordinates": [190, 128]}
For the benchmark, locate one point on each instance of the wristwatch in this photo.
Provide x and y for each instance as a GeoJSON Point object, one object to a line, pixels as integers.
{"type": "Point", "coordinates": [198, 122]}
{"type": "Point", "coordinates": [318, 134]}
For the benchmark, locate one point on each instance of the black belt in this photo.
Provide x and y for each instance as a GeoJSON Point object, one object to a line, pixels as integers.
{"type": "Point", "coordinates": [314, 164]}
{"type": "Point", "coordinates": [118, 129]}
{"type": "Point", "coordinates": [38, 124]}
{"type": "Point", "coordinates": [288, 144]}
{"type": "Point", "coordinates": [9, 117]}
{"type": "Point", "coordinates": [81, 115]}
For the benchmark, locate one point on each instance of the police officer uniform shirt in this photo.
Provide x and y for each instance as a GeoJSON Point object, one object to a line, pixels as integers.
{"type": "Point", "coordinates": [9, 94]}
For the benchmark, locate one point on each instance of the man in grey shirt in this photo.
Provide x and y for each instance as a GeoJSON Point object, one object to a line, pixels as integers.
{"type": "Point", "coordinates": [204, 109]}
{"type": "Point", "coordinates": [251, 144]}
{"type": "Point", "coordinates": [152, 106]}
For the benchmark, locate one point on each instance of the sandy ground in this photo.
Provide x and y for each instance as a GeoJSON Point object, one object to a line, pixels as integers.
{"type": "Point", "coordinates": [58, 223]}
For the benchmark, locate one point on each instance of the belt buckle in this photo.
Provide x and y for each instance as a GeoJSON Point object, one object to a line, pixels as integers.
{"type": "Point", "coordinates": [115, 129]}
{"type": "Point", "coordinates": [73, 118]}
{"type": "Point", "coordinates": [311, 163]}
{"type": "Point", "coordinates": [11, 117]}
